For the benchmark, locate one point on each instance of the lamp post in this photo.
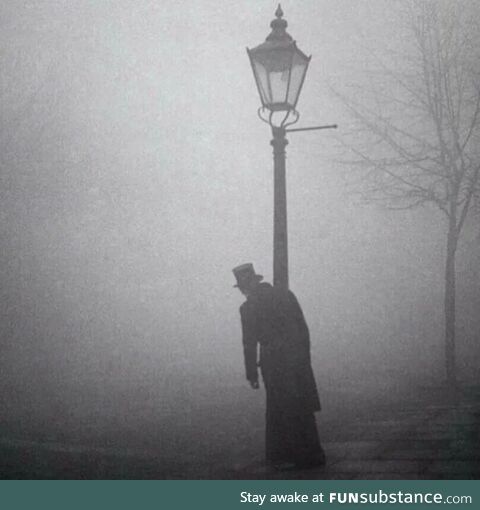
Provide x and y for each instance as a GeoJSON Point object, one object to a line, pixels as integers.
{"type": "Point", "coordinates": [279, 68]}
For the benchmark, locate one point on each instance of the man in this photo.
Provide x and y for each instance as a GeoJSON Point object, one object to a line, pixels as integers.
{"type": "Point", "coordinates": [273, 324]}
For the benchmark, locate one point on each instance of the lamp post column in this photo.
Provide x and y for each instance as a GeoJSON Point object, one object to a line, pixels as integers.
{"type": "Point", "coordinates": [280, 237]}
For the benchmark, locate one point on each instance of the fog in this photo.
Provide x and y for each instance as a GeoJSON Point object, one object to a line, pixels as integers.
{"type": "Point", "coordinates": [136, 175]}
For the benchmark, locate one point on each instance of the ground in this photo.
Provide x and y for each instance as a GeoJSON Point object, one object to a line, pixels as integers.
{"type": "Point", "coordinates": [426, 434]}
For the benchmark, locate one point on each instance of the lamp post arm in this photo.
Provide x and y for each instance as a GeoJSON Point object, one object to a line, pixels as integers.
{"type": "Point", "coordinates": [330, 126]}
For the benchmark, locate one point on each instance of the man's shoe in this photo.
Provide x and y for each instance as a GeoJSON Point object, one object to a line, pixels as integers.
{"type": "Point", "coordinates": [284, 466]}
{"type": "Point", "coordinates": [320, 461]}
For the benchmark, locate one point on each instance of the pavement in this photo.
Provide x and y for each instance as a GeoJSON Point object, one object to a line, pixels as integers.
{"type": "Point", "coordinates": [419, 440]}
{"type": "Point", "coordinates": [433, 436]}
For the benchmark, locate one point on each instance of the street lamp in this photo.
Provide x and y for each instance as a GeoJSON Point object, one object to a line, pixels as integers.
{"type": "Point", "coordinates": [279, 68]}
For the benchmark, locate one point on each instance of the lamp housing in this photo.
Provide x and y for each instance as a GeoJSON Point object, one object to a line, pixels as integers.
{"type": "Point", "coordinates": [279, 68]}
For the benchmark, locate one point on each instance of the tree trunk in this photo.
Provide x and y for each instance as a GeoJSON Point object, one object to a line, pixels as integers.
{"type": "Point", "coordinates": [450, 362]}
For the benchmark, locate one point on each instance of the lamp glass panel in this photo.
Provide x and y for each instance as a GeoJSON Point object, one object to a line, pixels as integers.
{"type": "Point", "coordinates": [299, 68]}
{"type": "Point", "coordinates": [262, 81]}
{"type": "Point", "coordinates": [275, 59]}
{"type": "Point", "coordinates": [279, 85]}
{"type": "Point", "coordinates": [272, 71]}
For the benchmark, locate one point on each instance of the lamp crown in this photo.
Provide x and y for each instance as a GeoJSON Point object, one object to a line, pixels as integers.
{"type": "Point", "coordinates": [278, 27]}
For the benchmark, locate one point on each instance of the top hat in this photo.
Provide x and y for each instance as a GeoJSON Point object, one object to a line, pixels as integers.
{"type": "Point", "coordinates": [245, 274]}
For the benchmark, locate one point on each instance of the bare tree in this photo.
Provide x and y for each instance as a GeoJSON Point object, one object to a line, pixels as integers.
{"type": "Point", "coordinates": [420, 128]}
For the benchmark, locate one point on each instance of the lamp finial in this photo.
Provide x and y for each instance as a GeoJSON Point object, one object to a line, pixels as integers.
{"type": "Point", "coordinates": [279, 26]}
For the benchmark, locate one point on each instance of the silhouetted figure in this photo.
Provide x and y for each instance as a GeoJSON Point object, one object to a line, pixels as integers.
{"type": "Point", "coordinates": [273, 323]}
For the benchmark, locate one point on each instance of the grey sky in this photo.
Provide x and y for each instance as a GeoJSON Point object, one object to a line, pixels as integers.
{"type": "Point", "coordinates": [141, 175]}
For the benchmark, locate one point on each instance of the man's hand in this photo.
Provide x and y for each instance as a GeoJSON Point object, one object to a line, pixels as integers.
{"type": "Point", "coordinates": [254, 384]}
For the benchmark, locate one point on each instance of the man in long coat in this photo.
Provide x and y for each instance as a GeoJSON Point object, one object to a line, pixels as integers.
{"type": "Point", "coordinates": [274, 327]}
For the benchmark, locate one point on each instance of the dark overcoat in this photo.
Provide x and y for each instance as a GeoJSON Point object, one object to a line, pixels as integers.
{"type": "Point", "coordinates": [273, 324]}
